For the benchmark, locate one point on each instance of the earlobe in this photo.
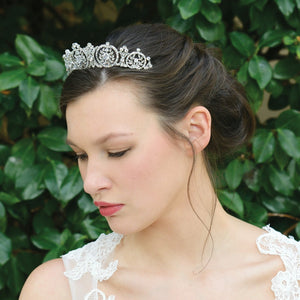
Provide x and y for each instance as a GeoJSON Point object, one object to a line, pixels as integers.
{"type": "Point", "coordinates": [198, 120]}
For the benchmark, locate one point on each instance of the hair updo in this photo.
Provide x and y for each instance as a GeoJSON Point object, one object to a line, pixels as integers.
{"type": "Point", "coordinates": [184, 74]}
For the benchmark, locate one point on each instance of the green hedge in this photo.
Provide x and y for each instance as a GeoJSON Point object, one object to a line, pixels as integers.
{"type": "Point", "coordinates": [43, 209]}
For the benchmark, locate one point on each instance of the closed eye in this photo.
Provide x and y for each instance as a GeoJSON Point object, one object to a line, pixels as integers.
{"type": "Point", "coordinates": [117, 154]}
{"type": "Point", "coordinates": [81, 157]}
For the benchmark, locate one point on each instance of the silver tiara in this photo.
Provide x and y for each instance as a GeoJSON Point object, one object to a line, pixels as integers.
{"type": "Point", "coordinates": [104, 56]}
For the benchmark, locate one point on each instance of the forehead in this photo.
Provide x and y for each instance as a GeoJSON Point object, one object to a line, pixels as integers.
{"type": "Point", "coordinates": [111, 97]}
{"type": "Point", "coordinates": [114, 106]}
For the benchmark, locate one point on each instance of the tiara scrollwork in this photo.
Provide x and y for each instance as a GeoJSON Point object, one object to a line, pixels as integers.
{"type": "Point", "coordinates": [104, 56]}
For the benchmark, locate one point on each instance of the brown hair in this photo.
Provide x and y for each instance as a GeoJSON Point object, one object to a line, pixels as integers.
{"type": "Point", "coordinates": [183, 74]}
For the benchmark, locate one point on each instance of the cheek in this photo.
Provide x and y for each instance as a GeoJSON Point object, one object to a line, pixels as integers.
{"type": "Point", "coordinates": [152, 164]}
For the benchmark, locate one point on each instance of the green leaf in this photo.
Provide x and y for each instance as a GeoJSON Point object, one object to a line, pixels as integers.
{"type": "Point", "coordinates": [188, 8]}
{"type": "Point", "coordinates": [28, 261]}
{"type": "Point", "coordinates": [253, 180]}
{"type": "Point", "coordinates": [44, 154]}
{"type": "Point", "coordinates": [272, 38]}
{"type": "Point", "coordinates": [234, 174]}
{"type": "Point", "coordinates": [15, 278]}
{"type": "Point", "coordinates": [243, 43]}
{"type": "Point", "coordinates": [294, 172]}
{"type": "Point", "coordinates": [4, 154]}
{"type": "Point", "coordinates": [288, 40]}
{"type": "Point", "coordinates": [85, 203]}
{"type": "Point", "coordinates": [178, 23]}
{"type": "Point", "coordinates": [3, 219]}
{"type": "Point", "coordinates": [8, 61]}
{"type": "Point", "coordinates": [242, 75]}
{"type": "Point", "coordinates": [30, 182]}
{"type": "Point", "coordinates": [232, 201]}
{"type": "Point", "coordinates": [232, 58]}
{"type": "Point", "coordinates": [289, 119]}
{"type": "Point", "coordinates": [41, 221]}
{"type": "Point", "coordinates": [255, 213]}
{"type": "Point", "coordinates": [215, 1]}
{"type": "Point", "coordinates": [5, 249]}
{"type": "Point", "coordinates": [23, 155]}
{"type": "Point", "coordinates": [289, 142]}
{"type": "Point", "coordinates": [71, 186]}
{"type": "Point", "coordinates": [48, 103]}
{"type": "Point", "coordinates": [260, 4]}
{"type": "Point", "coordinates": [52, 254]}
{"type": "Point", "coordinates": [211, 12]}
{"type": "Point", "coordinates": [294, 98]}
{"type": "Point", "coordinates": [263, 145]}
{"type": "Point", "coordinates": [54, 70]}
{"type": "Point", "coordinates": [1, 177]}
{"type": "Point", "coordinates": [24, 149]}
{"type": "Point", "coordinates": [260, 70]}
{"type": "Point", "coordinates": [54, 138]}
{"type": "Point", "coordinates": [286, 6]}
{"type": "Point", "coordinates": [90, 229]}
{"type": "Point", "coordinates": [280, 204]}
{"type": "Point", "coordinates": [254, 93]}
{"type": "Point", "coordinates": [8, 199]}
{"type": "Point", "coordinates": [297, 229]}
{"type": "Point", "coordinates": [286, 68]}
{"type": "Point", "coordinates": [29, 49]}
{"type": "Point", "coordinates": [47, 239]}
{"type": "Point", "coordinates": [11, 79]}
{"type": "Point", "coordinates": [246, 2]}
{"type": "Point", "coordinates": [76, 241]}
{"type": "Point", "coordinates": [281, 157]}
{"type": "Point", "coordinates": [275, 88]}
{"type": "Point", "coordinates": [281, 181]}
{"type": "Point", "coordinates": [298, 4]}
{"type": "Point", "coordinates": [54, 176]}
{"type": "Point", "coordinates": [28, 91]}
{"type": "Point", "coordinates": [208, 31]}
{"type": "Point", "coordinates": [36, 68]}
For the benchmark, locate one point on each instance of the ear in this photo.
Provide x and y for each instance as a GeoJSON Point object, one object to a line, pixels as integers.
{"type": "Point", "coordinates": [197, 123]}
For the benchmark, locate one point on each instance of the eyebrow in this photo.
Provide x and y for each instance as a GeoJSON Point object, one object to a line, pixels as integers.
{"type": "Point", "coordinates": [104, 138]}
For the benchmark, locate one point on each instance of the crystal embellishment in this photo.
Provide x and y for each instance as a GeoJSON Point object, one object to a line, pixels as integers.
{"type": "Point", "coordinates": [104, 56]}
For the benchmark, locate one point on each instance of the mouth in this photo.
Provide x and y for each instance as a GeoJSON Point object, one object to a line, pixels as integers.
{"type": "Point", "coordinates": [108, 209]}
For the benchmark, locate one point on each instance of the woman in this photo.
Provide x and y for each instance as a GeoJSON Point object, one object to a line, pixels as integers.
{"type": "Point", "coordinates": [148, 114]}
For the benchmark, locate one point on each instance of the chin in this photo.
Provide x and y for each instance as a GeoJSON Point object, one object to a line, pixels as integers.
{"type": "Point", "coordinates": [124, 228]}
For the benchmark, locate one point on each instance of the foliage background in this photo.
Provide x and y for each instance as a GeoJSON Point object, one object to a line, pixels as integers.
{"type": "Point", "coordinates": [43, 210]}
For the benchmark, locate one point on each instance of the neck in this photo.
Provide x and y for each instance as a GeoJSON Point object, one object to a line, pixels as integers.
{"type": "Point", "coordinates": [184, 239]}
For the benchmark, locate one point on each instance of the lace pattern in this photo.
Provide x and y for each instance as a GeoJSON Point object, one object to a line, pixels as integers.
{"type": "Point", "coordinates": [92, 257]}
{"type": "Point", "coordinates": [89, 265]}
{"type": "Point", "coordinates": [94, 295]}
{"type": "Point", "coordinates": [285, 284]}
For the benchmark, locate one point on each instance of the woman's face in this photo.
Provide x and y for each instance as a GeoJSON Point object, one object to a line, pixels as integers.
{"type": "Point", "coordinates": [134, 171]}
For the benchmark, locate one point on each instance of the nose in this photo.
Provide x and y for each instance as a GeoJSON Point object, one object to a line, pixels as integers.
{"type": "Point", "coordinates": [95, 180]}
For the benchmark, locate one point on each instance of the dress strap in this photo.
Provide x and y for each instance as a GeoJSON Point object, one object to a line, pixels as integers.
{"type": "Point", "coordinates": [285, 284]}
{"type": "Point", "coordinates": [86, 267]}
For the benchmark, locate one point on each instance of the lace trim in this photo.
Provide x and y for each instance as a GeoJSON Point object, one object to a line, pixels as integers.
{"type": "Point", "coordinates": [93, 295]}
{"type": "Point", "coordinates": [285, 284]}
{"type": "Point", "coordinates": [92, 258]}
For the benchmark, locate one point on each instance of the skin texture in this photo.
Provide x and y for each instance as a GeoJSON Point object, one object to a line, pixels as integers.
{"type": "Point", "coordinates": [149, 179]}
{"type": "Point", "coordinates": [125, 157]}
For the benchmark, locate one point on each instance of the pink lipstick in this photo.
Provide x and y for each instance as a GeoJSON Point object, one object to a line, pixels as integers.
{"type": "Point", "coordinates": [108, 209]}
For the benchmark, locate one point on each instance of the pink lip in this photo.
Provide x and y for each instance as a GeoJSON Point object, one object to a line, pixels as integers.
{"type": "Point", "coordinates": [108, 209]}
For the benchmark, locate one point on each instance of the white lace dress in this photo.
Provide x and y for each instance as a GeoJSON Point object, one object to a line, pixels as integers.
{"type": "Point", "coordinates": [93, 263]}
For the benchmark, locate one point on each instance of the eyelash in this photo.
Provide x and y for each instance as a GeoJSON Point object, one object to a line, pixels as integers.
{"type": "Point", "coordinates": [81, 157]}
{"type": "Point", "coordinates": [118, 154]}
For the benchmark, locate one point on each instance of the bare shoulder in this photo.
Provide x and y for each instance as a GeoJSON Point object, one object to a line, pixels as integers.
{"type": "Point", "coordinates": [47, 282]}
